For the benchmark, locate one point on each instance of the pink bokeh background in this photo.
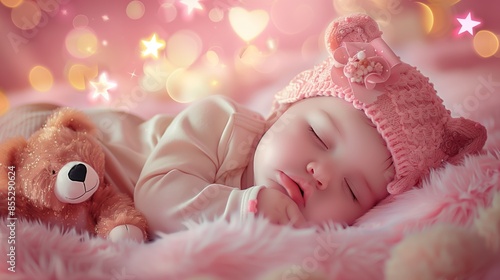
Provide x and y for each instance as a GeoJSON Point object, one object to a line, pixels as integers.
{"type": "Point", "coordinates": [205, 52]}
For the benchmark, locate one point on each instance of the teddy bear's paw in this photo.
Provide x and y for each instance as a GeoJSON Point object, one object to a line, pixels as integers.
{"type": "Point", "coordinates": [126, 232]}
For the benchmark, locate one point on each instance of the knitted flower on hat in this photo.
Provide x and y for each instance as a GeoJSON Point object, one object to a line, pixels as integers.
{"type": "Point", "coordinates": [404, 106]}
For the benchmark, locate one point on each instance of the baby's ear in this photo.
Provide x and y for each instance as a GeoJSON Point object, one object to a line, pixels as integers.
{"type": "Point", "coordinates": [461, 137]}
{"type": "Point", "coordinates": [352, 28]}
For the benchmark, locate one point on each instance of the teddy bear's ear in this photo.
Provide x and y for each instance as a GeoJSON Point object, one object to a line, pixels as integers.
{"type": "Point", "coordinates": [9, 150]}
{"type": "Point", "coordinates": [72, 119]}
{"type": "Point", "coordinates": [352, 28]}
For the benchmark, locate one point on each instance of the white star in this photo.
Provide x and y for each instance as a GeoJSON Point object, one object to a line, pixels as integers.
{"type": "Point", "coordinates": [102, 86]}
{"type": "Point", "coordinates": [192, 4]}
{"type": "Point", "coordinates": [133, 74]}
{"type": "Point", "coordinates": [152, 46]}
{"type": "Point", "coordinates": [467, 24]}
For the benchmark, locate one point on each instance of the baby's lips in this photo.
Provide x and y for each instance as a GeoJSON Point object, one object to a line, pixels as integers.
{"type": "Point", "coordinates": [293, 189]}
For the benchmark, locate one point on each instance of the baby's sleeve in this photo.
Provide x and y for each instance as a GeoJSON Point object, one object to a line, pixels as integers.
{"type": "Point", "coordinates": [177, 181]}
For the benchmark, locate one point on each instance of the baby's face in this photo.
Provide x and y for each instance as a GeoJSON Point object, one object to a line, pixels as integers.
{"type": "Point", "coordinates": [328, 157]}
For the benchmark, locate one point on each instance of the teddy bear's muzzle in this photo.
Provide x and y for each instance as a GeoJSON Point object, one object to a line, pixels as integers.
{"type": "Point", "coordinates": [76, 182]}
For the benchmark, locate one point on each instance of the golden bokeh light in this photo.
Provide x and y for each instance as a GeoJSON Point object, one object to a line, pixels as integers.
{"type": "Point", "coordinates": [81, 42]}
{"type": "Point", "coordinates": [26, 15]}
{"type": "Point", "coordinates": [4, 103]}
{"type": "Point", "coordinates": [183, 48]}
{"type": "Point", "coordinates": [79, 75]}
{"type": "Point", "coordinates": [155, 74]}
{"type": "Point", "coordinates": [485, 43]}
{"type": "Point", "coordinates": [251, 56]}
{"type": "Point", "coordinates": [135, 10]}
{"type": "Point", "coordinates": [347, 6]}
{"type": "Point", "coordinates": [441, 23]}
{"type": "Point", "coordinates": [41, 78]}
{"type": "Point", "coordinates": [11, 3]}
{"type": "Point", "coordinates": [187, 86]}
{"type": "Point", "coordinates": [427, 17]}
{"type": "Point", "coordinates": [212, 57]}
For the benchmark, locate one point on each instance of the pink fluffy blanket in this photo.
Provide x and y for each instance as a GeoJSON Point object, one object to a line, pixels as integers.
{"type": "Point", "coordinates": [449, 229]}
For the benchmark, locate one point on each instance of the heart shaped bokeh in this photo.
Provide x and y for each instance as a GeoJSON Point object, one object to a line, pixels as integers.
{"type": "Point", "coordinates": [248, 24]}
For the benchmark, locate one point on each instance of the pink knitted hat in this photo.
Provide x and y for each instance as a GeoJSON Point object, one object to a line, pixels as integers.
{"type": "Point", "coordinates": [361, 69]}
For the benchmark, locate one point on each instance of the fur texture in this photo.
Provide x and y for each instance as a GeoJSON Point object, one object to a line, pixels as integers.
{"type": "Point", "coordinates": [434, 231]}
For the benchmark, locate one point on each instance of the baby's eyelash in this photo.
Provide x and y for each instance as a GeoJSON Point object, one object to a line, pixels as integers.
{"type": "Point", "coordinates": [317, 137]}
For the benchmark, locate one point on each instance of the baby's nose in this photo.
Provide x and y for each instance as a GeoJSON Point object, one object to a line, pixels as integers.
{"type": "Point", "coordinates": [319, 175]}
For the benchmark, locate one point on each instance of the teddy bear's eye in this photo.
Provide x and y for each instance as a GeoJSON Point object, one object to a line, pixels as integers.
{"type": "Point", "coordinates": [53, 172]}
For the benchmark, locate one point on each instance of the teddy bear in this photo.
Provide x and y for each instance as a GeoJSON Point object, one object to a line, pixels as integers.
{"type": "Point", "coordinates": [56, 176]}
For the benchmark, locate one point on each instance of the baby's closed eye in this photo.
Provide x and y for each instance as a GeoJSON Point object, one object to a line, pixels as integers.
{"type": "Point", "coordinates": [318, 138]}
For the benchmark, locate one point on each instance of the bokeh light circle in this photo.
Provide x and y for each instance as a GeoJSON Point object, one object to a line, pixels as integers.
{"type": "Point", "coordinates": [183, 48]}
{"type": "Point", "coordinates": [41, 78]}
{"type": "Point", "coordinates": [155, 74]}
{"type": "Point", "coordinates": [212, 57]}
{"type": "Point", "coordinates": [4, 103]}
{"type": "Point", "coordinates": [187, 86]}
{"type": "Point", "coordinates": [311, 47]}
{"type": "Point", "coordinates": [485, 43]}
{"type": "Point", "coordinates": [347, 6]}
{"type": "Point", "coordinates": [11, 3]}
{"type": "Point", "coordinates": [298, 15]}
{"type": "Point", "coordinates": [78, 75]}
{"type": "Point", "coordinates": [80, 21]}
{"type": "Point", "coordinates": [167, 12]}
{"type": "Point", "coordinates": [427, 17]}
{"type": "Point", "coordinates": [216, 14]}
{"type": "Point", "coordinates": [81, 42]}
{"type": "Point", "coordinates": [135, 9]}
{"type": "Point", "coordinates": [26, 16]}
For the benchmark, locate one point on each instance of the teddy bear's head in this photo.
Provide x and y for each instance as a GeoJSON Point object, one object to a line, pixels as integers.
{"type": "Point", "coordinates": [60, 163]}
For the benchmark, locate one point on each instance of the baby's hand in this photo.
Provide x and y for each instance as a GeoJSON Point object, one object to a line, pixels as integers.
{"type": "Point", "coordinates": [279, 208]}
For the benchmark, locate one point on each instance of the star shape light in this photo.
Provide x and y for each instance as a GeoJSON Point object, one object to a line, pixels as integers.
{"type": "Point", "coordinates": [102, 86]}
{"type": "Point", "coordinates": [152, 46]}
{"type": "Point", "coordinates": [467, 24]}
{"type": "Point", "coordinates": [191, 5]}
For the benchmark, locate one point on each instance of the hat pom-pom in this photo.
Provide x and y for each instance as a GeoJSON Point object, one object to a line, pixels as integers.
{"type": "Point", "coordinates": [352, 28]}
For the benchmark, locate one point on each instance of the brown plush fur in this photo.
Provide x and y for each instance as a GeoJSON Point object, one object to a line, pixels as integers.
{"type": "Point", "coordinates": [33, 165]}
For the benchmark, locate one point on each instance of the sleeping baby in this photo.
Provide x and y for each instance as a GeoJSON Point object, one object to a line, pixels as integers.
{"type": "Point", "coordinates": [351, 133]}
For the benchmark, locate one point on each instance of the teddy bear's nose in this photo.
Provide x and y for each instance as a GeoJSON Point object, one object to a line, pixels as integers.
{"type": "Point", "coordinates": [78, 173]}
